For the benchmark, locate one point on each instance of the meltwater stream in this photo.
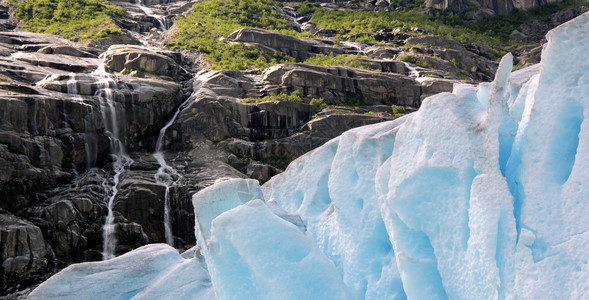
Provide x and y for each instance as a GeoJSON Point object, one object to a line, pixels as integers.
{"type": "Point", "coordinates": [149, 12]}
{"type": "Point", "coordinates": [110, 114]}
{"type": "Point", "coordinates": [166, 174]}
{"type": "Point", "coordinates": [412, 70]}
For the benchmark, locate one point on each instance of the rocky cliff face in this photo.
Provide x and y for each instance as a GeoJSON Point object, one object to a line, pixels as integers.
{"type": "Point", "coordinates": [70, 112]}
{"type": "Point", "coordinates": [495, 6]}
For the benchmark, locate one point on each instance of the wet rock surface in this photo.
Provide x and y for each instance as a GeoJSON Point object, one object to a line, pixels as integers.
{"type": "Point", "coordinates": [57, 155]}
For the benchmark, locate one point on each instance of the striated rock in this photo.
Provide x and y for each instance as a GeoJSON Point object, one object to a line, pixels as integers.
{"type": "Point", "coordinates": [143, 102]}
{"type": "Point", "coordinates": [270, 42]}
{"type": "Point", "coordinates": [69, 50]}
{"type": "Point", "coordinates": [498, 6]}
{"type": "Point", "coordinates": [443, 53]}
{"type": "Point", "coordinates": [141, 201]}
{"type": "Point", "coordinates": [22, 40]}
{"type": "Point", "coordinates": [339, 82]}
{"type": "Point", "coordinates": [127, 59]}
{"type": "Point", "coordinates": [24, 254]}
{"type": "Point", "coordinates": [384, 65]}
{"type": "Point", "coordinates": [44, 136]}
{"type": "Point", "coordinates": [58, 61]}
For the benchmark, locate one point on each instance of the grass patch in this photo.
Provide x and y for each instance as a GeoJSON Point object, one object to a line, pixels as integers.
{"type": "Point", "coordinates": [73, 19]}
{"type": "Point", "coordinates": [501, 26]}
{"type": "Point", "coordinates": [306, 7]}
{"type": "Point", "coordinates": [358, 22]}
{"type": "Point", "coordinates": [344, 60]}
{"type": "Point", "coordinates": [493, 31]}
{"type": "Point", "coordinates": [295, 96]}
{"type": "Point", "coordinates": [211, 20]}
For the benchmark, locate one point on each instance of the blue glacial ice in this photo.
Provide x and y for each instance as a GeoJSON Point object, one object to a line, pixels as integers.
{"type": "Point", "coordinates": [150, 272]}
{"type": "Point", "coordinates": [481, 194]}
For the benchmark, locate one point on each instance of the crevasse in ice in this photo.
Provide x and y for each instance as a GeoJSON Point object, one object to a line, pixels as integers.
{"type": "Point", "coordinates": [481, 194]}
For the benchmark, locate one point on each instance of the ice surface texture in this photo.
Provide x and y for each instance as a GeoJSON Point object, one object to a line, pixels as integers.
{"type": "Point", "coordinates": [154, 271]}
{"type": "Point", "coordinates": [481, 194]}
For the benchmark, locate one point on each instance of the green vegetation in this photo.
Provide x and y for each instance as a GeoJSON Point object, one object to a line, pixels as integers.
{"type": "Point", "coordinates": [354, 101]}
{"type": "Point", "coordinates": [493, 32]}
{"type": "Point", "coordinates": [358, 22]}
{"type": "Point", "coordinates": [344, 60]}
{"type": "Point", "coordinates": [295, 96]}
{"type": "Point", "coordinates": [306, 7]}
{"type": "Point", "coordinates": [72, 19]}
{"type": "Point", "coordinates": [398, 111]}
{"type": "Point", "coordinates": [418, 60]}
{"type": "Point", "coordinates": [319, 102]}
{"type": "Point", "coordinates": [501, 26]}
{"type": "Point", "coordinates": [211, 20]}
{"type": "Point", "coordinates": [3, 79]}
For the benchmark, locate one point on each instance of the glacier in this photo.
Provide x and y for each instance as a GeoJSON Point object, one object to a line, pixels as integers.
{"type": "Point", "coordinates": [481, 194]}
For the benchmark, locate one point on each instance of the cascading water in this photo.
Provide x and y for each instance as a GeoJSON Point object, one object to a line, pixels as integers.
{"type": "Point", "coordinates": [166, 174]}
{"type": "Point", "coordinates": [149, 12]}
{"type": "Point", "coordinates": [412, 71]}
{"type": "Point", "coordinates": [291, 15]}
{"type": "Point", "coordinates": [109, 111]}
{"type": "Point", "coordinates": [89, 140]}
{"type": "Point", "coordinates": [72, 87]}
{"type": "Point", "coordinates": [355, 46]}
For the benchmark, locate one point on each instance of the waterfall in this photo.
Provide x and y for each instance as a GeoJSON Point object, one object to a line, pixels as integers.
{"type": "Point", "coordinates": [72, 86]}
{"type": "Point", "coordinates": [412, 71]}
{"type": "Point", "coordinates": [355, 46]}
{"type": "Point", "coordinates": [109, 111]}
{"type": "Point", "coordinates": [149, 12]}
{"type": "Point", "coordinates": [166, 174]}
{"type": "Point", "coordinates": [290, 15]}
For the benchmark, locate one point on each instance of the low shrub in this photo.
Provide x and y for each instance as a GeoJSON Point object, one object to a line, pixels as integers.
{"type": "Point", "coordinates": [319, 102]}
{"type": "Point", "coordinates": [295, 96]}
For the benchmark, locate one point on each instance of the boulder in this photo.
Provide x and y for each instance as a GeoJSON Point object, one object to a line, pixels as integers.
{"type": "Point", "coordinates": [382, 52]}
{"type": "Point", "coordinates": [341, 83]}
{"type": "Point", "coordinates": [270, 42]}
{"type": "Point", "coordinates": [431, 85]}
{"type": "Point", "coordinates": [127, 59]}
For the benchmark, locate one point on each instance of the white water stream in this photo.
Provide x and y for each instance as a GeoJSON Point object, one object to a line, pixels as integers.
{"type": "Point", "coordinates": [355, 46]}
{"type": "Point", "coordinates": [110, 114]}
{"type": "Point", "coordinates": [412, 70]}
{"type": "Point", "coordinates": [149, 12]}
{"type": "Point", "coordinates": [166, 174]}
